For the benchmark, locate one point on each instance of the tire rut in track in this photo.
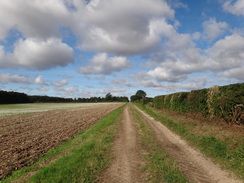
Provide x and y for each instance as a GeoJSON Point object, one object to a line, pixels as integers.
{"type": "Point", "coordinates": [190, 161]}
{"type": "Point", "coordinates": [126, 166]}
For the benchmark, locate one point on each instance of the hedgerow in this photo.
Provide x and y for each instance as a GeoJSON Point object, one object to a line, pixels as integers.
{"type": "Point", "coordinates": [214, 102]}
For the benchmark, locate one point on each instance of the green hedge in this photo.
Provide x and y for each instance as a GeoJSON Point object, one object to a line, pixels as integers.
{"type": "Point", "coordinates": [217, 101]}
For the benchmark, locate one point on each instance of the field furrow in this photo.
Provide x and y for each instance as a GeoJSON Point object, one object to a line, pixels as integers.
{"type": "Point", "coordinates": [25, 138]}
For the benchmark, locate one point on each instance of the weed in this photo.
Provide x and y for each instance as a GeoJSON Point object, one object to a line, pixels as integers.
{"type": "Point", "coordinates": [213, 146]}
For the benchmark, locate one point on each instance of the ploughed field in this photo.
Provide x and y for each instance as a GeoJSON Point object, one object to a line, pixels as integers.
{"type": "Point", "coordinates": [24, 138]}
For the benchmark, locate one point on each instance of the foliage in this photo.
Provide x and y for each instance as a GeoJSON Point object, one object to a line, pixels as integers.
{"type": "Point", "coordinates": [15, 98]}
{"type": "Point", "coordinates": [109, 97]}
{"type": "Point", "coordinates": [218, 101]}
{"type": "Point", "coordinates": [146, 100]}
{"type": "Point", "coordinates": [134, 98]}
{"type": "Point", "coordinates": [140, 94]}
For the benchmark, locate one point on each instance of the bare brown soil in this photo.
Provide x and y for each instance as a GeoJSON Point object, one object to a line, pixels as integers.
{"type": "Point", "coordinates": [25, 138]}
{"type": "Point", "coordinates": [195, 166]}
{"type": "Point", "coordinates": [126, 166]}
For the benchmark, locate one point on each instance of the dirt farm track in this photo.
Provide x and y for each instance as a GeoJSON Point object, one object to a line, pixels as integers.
{"type": "Point", "coordinates": [24, 138]}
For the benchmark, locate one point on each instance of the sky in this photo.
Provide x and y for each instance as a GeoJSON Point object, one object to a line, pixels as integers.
{"type": "Point", "coordinates": [86, 48]}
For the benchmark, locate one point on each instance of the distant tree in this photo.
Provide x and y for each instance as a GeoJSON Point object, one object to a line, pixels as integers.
{"type": "Point", "coordinates": [134, 98]}
{"type": "Point", "coordinates": [108, 97]}
{"type": "Point", "coordinates": [16, 97]}
{"type": "Point", "coordinates": [141, 94]}
{"type": "Point", "coordinates": [13, 97]}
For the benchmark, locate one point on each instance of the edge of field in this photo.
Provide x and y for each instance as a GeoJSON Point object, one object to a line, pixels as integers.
{"type": "Point", "coordinates": [228, 153]}
{"type": "Point", "coordinates": [17, 109]}
{"type": "Point", "coordinates": [88, 149]}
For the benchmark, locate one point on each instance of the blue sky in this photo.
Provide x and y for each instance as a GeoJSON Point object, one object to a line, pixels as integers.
{"type": "Point", "coordinates": [78, 48]}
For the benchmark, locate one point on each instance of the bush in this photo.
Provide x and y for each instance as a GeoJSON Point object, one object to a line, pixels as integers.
{"type": "Point", "coordinates": [218, 101]}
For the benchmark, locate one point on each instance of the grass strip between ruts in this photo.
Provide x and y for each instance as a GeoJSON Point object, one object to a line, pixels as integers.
{"type": "Point", "coordinates": [86, 155]}
{"type": "Point", "coordinates": [229, 158]}
{"type": "Point", "coordinates": [159, 165]}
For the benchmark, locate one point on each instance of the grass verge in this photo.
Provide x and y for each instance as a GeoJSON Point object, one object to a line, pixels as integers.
{"type": "Point", "coordinates": [228, 157]}
{"type": "Point", "coordinates": [82, 159]}
{"type": "Point", "coordinates": [160, 166]}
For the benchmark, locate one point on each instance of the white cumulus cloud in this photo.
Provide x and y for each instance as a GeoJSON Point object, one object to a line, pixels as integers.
{"type": "Point", "coordinates": [39, 80]}
{"type": "Point", "coordinates": [18, 78]}
{"type": "Point", "coordinates": [224, 58]}
{"type": "Point", "coordinates": [236, 73]}
{"type": "Point", "coordinates": [120, 27]}
{"type": "Point", "coordinates": [110, 26]}
{"type": "Point", "coordinates": [15, 78]}
{"type": "Point", "coordinates": [60, 83]}
{"type": "Point", "coordinates": [213, 29]}
{"type": "Point", "coordinates": [68, 89]}
{"type": "Point", "coordinates": [36, 54]}
{"type": "Point", "coordinates": [122, 81]}
{"type": "Point", "coordinates": [102, 64]}
{"type": "Point", "coordinates": [164, 74]}
{"type": "Point", "coordinates": [32, 18]}
{"type": "Point", "coordinates": [227, 53]}
{"type": "Point", "coordinates": [234, 7]}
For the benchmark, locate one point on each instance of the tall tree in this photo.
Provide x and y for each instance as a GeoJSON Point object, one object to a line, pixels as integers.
{"type": "Point", "coordinates": [109, 97]}
{"type": "Point", "coordinates": [141, 94]}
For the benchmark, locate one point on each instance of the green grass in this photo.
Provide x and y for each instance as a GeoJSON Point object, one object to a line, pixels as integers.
{"type": "Point", "coordinates": [229, 158]}
{"type": "Point", "coordinates": [159, 165]}
{"type": "Point", "coordinates": [82, 159]}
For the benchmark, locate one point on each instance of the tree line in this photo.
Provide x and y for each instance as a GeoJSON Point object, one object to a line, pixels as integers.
{"type": "Point", "coordinates": [11, 97]}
